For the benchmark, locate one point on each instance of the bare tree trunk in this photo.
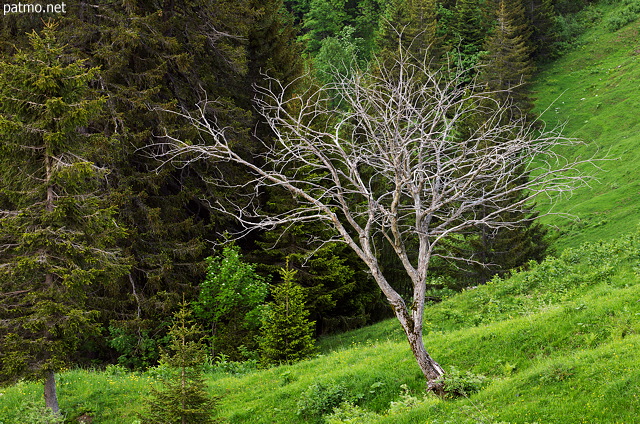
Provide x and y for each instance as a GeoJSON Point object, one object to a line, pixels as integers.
{"type": "Point", "coordinates": [431, 369]}
{"type": "Point", "coordinates": [412, 326]}
{"type": "Point", "coordinates": [50, 395]}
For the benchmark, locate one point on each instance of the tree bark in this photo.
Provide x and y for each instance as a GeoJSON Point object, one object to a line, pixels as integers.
{"type": "Point", "coordinates": [50, 395]}
{"type": "Point", "coordinates": [431, 369]}
{"type": "Point", "coordinates": [412, 327]}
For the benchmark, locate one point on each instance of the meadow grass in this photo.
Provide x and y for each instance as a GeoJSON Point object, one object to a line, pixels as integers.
{"type": "Point", "coordinates": [557, 343]}
{"type": "Point", "coordinates": [594, 91]}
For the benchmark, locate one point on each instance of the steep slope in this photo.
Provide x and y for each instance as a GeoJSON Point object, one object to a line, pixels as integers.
{"type": "Point", "coordinates": [595, 91]}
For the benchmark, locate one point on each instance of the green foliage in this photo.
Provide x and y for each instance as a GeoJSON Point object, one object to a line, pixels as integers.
{"type": "Point", "coordinates": [339, 55]}
{"type": "Point", "coordinates": [320, 399]}
{"type": "Point", "coordinates": [155, 56]}
{"type": "Point", "coordinates": [325, 18]}
{"type": "Point", "coordinates": [58, 233]}
{"type": "Point", "coordinates": [34, 413]}
{"type": "Point", "coordinates": [182, 397]}
{"type": "Point", "coordinates": [349, 413]}
{"type": "Point", "coordinates": [222, 364]}
{"type": "Point", "coordinates": [137, 351]}
{"type": "Point", "coordinates": [508, 66]}
{"type": "Point", "coordinates": [230, 301]}
{"type": "Point", "coordinates": [412, 23]}
{"type": "Point", "coordinates": [457, 383]}
{"type": "Point", "coordinates": [286, 334]}
{"type": "Point", "coordinates": [623, 16]}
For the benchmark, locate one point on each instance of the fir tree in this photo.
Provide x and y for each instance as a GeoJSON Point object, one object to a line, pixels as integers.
{"type": "Point", "coordinates": [498, 251]}
{"type": "Point", "coordinates": [508, 66]}
{"type": "Point", "coordinates": [57, 233]}
{"type": "Point", "coordinates": [183, 398]}
{"type": "Point", "coordinates": [411, 24]}
{"type": "Point", "coordinates": [158, 56]}
{"type": "Point", "coordinates": [542, 17]}
{"type": "Point", "coordinates": [287, 333]}
{"type": "Point", "coordinates": [507, 70]}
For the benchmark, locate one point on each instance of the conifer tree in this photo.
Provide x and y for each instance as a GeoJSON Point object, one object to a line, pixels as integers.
{"type": "Point", "coordinates": [183, 398]}
{"type": "Point", "coordinates": [542, 16]}
{"type": "Point", "coordinates": [57, 233]}
{"type": "Point", "coordinates": [508, 66]}
{"type": "Point", "coordinates": [287, 333]}
{"type": "Point", "coordinates": [162, 56]}
{"type": "Point", "coordinates": [507, 70]}
{"type": "Point", "coordinates": [471, 24]}
{"type": "Point", "coordinates": [272, 47]}
{"type": "Point", "coordinates": [411, 24]}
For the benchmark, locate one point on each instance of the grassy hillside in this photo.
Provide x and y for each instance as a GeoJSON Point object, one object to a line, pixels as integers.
{"type": "Point", "coordinates": [556, 344]}
{"type": "Point", "coordinates": [595, 91]}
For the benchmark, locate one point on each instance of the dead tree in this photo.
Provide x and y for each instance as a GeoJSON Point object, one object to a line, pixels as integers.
{"type": "Point", "coordinates": [383, 153]}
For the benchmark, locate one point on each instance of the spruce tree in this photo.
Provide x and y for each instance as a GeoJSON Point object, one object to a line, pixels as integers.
{"type": "Point", "coordinates": [287, 333]}
{"type": "Point", "coordinates": [508, 66]}
{"type": "Point", "coordinates": [183, 398]}
{"type": "Point", "coordinates": [542, 17]}
{"type": "Point", "coordinates": [411, 24]}
{"type": "Point", "coordinates": [506, 72]}
{"type": "Point", "coordinates": [156, 56]}
{"type": "Point", "coordinates": [57, 232]}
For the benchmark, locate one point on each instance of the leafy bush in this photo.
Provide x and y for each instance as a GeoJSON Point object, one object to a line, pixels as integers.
{"type": "Point", "coordinates": [406, 402]}
{"type": "Point", "coordinates": [321, 399]}
{"type": "Point", "coordinates": [138, 349]}
{"type": "Point", "coordinates": [623, 17]}
{"type": "Point", "coordinates": [457, 383]}
{"type": "Point", "coordinates": [230, 302]}
{"type": "Point", "coordinates": [34, 413]}
{"type": "Point", "coordinates": [349, 413]}
{"type": "Point", "coordinates": [222, 364]}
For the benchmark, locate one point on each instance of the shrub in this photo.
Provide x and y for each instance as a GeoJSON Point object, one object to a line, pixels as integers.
{"type": "Point", "coordinates": [230, 302]}
{"type": "Point", "coordinates": [321, 399]}
{"type": "Point", "coordinates": [457, 383]}
{"type": "Point", "coordinates": [622, 17]}
{"type": "Point", "coordinates": [349, 413]}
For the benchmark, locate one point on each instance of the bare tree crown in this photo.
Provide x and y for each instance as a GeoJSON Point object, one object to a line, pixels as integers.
{"type": "Point", "coordinates": [404, 151]}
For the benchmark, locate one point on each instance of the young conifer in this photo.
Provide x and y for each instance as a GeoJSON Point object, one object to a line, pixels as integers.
{"type": "Point", "coordinates": [508, 66]}
{"type": "Point", "coordinates": [287, 333]}
{"type": "Point", "coordinates": [183, 397]}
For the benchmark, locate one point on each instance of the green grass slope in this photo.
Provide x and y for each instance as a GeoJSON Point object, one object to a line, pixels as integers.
{"type": "Point", "coordinates": [557, 344]}
{"type": "Point", "coordinates": [595, 91]}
